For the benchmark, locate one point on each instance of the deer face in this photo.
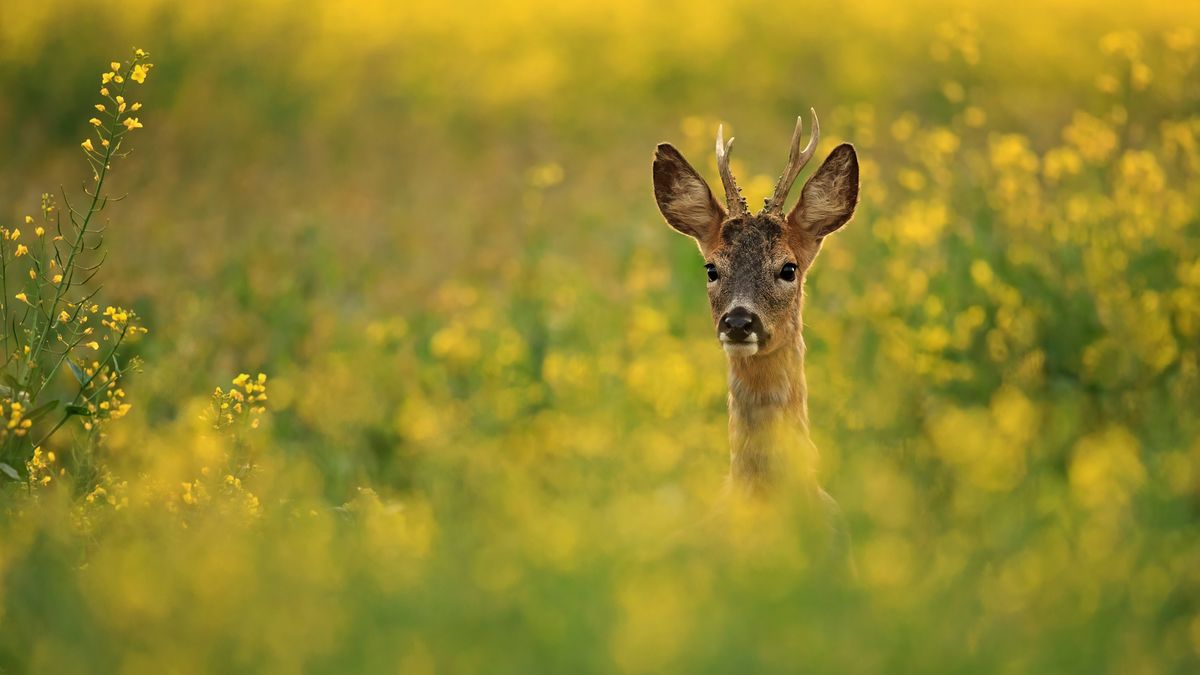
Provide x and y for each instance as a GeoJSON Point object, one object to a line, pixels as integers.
{"type": "Point", "coordinates": [756, 264]}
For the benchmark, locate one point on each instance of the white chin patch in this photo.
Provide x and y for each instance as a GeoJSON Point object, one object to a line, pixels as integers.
{"type": "Point", "coordinates": [740, 349]}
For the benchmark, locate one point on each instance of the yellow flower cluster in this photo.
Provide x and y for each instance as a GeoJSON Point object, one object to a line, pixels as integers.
{"type": "Point", "coordinates": [120, 320]}
{"type": "Point", "coordinates": [105, 399]}
{"type": "Point", "coordinates": [13, 419]}
{"type": "Point", "coordinates": [245, 400]}
{"type": "Point", "coordinates": [41, 467]}
{"type": "Point", "coordinates": [117, 122]}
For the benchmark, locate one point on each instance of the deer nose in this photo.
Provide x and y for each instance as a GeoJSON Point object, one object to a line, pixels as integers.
{"type": "Point", "coordinates": [737, 324]}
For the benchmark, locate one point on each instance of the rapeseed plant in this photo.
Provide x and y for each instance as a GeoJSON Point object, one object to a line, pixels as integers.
{"type": "Point", "coordinates": [55, 325]}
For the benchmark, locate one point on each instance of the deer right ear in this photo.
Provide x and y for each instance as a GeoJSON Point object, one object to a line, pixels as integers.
{"type": "Point", "coordinates": [683, 197]}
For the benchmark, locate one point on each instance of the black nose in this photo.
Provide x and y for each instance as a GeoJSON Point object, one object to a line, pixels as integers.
{"type": "Point", "coordinates": [738, 324]}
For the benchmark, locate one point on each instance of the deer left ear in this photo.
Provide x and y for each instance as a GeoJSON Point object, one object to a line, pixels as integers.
{"type": "Point", "coordinates": [828, 199]}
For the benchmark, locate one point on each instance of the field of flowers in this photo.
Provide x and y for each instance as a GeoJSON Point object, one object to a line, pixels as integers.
{"type": "Point", "coordinates": [492, 409]}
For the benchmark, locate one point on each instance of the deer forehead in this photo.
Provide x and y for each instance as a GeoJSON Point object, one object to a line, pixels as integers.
{"type": "Point", "coordinates": [752, 242]}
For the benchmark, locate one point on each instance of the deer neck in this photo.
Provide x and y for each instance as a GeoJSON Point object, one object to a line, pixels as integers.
{"type": "Point", "coordinates": [768, 420]}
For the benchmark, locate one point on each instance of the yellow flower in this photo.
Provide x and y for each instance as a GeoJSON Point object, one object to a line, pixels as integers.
{"type": "Point", "coordinates": [40, 231]}
{"type": "Point", "coordinates": [139, 73]}
{"type": "Point", "coordinates": [141, 53]}
{"type": "Point", "coordinates": [94, 122]}
{"type": "Point", "coordinates": [132, 123]}
{"type": "Point", "coordinates": [118, 79]}
{"type": "Point", "coordinates": [58, 280]}
{"type": "Point", "coordinates": [16, 234]}
{"type": "Point", "coordinates": [63, 317]}
{"type": "Point", "coordinates": [32, 273]}
{"type": "Point", "coordinates": [28, 220]}
{"type": "Point", "coordinates": [87, 145]}
{"type": "Point", "coordinates": [100, 107]}
{"type": "Point", "coordinates": [22, 297]}
{"type": "Point", "coordinates": [104, 91]}
{"type": "Point", "coordinates": [106, 78]}
{"type": "Point", "coordinates": [93, 344]}
{"type": "Point", "coordinates": [135, 107]}
{"type": "Point", "coordinates": [21, 250]}
{"type": "Point", "coordinates": [115, 66]}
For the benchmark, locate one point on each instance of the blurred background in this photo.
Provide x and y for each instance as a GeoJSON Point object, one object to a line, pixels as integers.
{"type": "Point", "coordinates": [495, 393]}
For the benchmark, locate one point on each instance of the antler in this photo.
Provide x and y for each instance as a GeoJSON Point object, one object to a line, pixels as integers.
{"type": "Point", "coordinates": [733, 195]}
{"type": "Point", "coordinates": [797, 158]}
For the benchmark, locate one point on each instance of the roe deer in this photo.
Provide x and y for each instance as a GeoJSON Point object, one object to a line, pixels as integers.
{"type": "Point", "coordinates": [756, 266]}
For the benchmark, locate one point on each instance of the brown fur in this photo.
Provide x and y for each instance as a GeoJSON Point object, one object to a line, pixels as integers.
{"type": "Point", "coordinates": [684, 198]}
{"type": "Point", "coordinates": [768, 395]}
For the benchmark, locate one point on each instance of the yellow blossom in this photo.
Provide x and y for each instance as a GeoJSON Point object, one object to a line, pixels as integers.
{"type": "Point", "coordinates": [58, 280]}
{"type": "Point", "coordinates": [139, 73]}
{"type": "Point", "coordinates": [114, 66]}
{"type": "Point", "coordinates": [40, 231]}
{"type": "Point", "coordinates": [22, 249]}
{"type": "Point", "coordinates": [106, 78]}
{"type": "Point", "coordinates": [87, 145]}
{"type": "Point", "coordinates": [22, 297]}
{"type": "Point", "coordinates": [28, 220]}
{"type": "Point", "coordinates": [93, 344]}
{"type": "Point", "coordinates": [100, 107]}
{"type": "Point", "coordinates": [132, 123]}
{"type": "Point", "coordinates": [94, 122]}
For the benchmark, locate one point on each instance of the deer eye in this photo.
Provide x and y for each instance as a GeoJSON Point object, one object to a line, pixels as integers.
{"type": "Point", "coordinates": [788, 273]}
{"type": "Point", "coordinates": [712, 272]}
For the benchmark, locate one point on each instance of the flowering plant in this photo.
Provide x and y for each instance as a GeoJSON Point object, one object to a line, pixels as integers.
{"type": "Point", "coordinates": [51, 321]}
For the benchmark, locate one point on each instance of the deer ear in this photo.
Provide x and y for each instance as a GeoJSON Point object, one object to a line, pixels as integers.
{"type": "Point", "coordinates": [828, 199]}
{"type": "Point", "coordinates": [684, 197]}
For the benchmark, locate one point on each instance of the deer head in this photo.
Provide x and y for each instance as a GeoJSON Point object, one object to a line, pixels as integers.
{"type": "Point", "coordinates": [756, 264]}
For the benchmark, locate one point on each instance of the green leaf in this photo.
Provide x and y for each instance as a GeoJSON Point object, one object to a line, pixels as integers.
{"type": "Point", "coordinates": [41, 410]}
{"type": "Point", "coordinates": [9, 471]}
{"type": "Point", "coordinates": [12, 382]}
{"type": "Point", "coordinates": [80, 410]}
{"type": "Point", "coordinates": [77, 372]}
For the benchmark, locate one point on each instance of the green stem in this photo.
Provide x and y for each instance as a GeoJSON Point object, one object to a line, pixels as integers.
{"type": "Point", "coordinates": [77, 245]}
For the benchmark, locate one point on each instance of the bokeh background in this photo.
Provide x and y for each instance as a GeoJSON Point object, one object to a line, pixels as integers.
{"type": "Point", "coordinates": [496, 399]}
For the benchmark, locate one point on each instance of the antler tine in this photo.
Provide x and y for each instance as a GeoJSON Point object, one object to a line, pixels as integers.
{"type": "Point", "coordinates": [797, 158]}
{"type": "Point", "coordinates": [733, 195]}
